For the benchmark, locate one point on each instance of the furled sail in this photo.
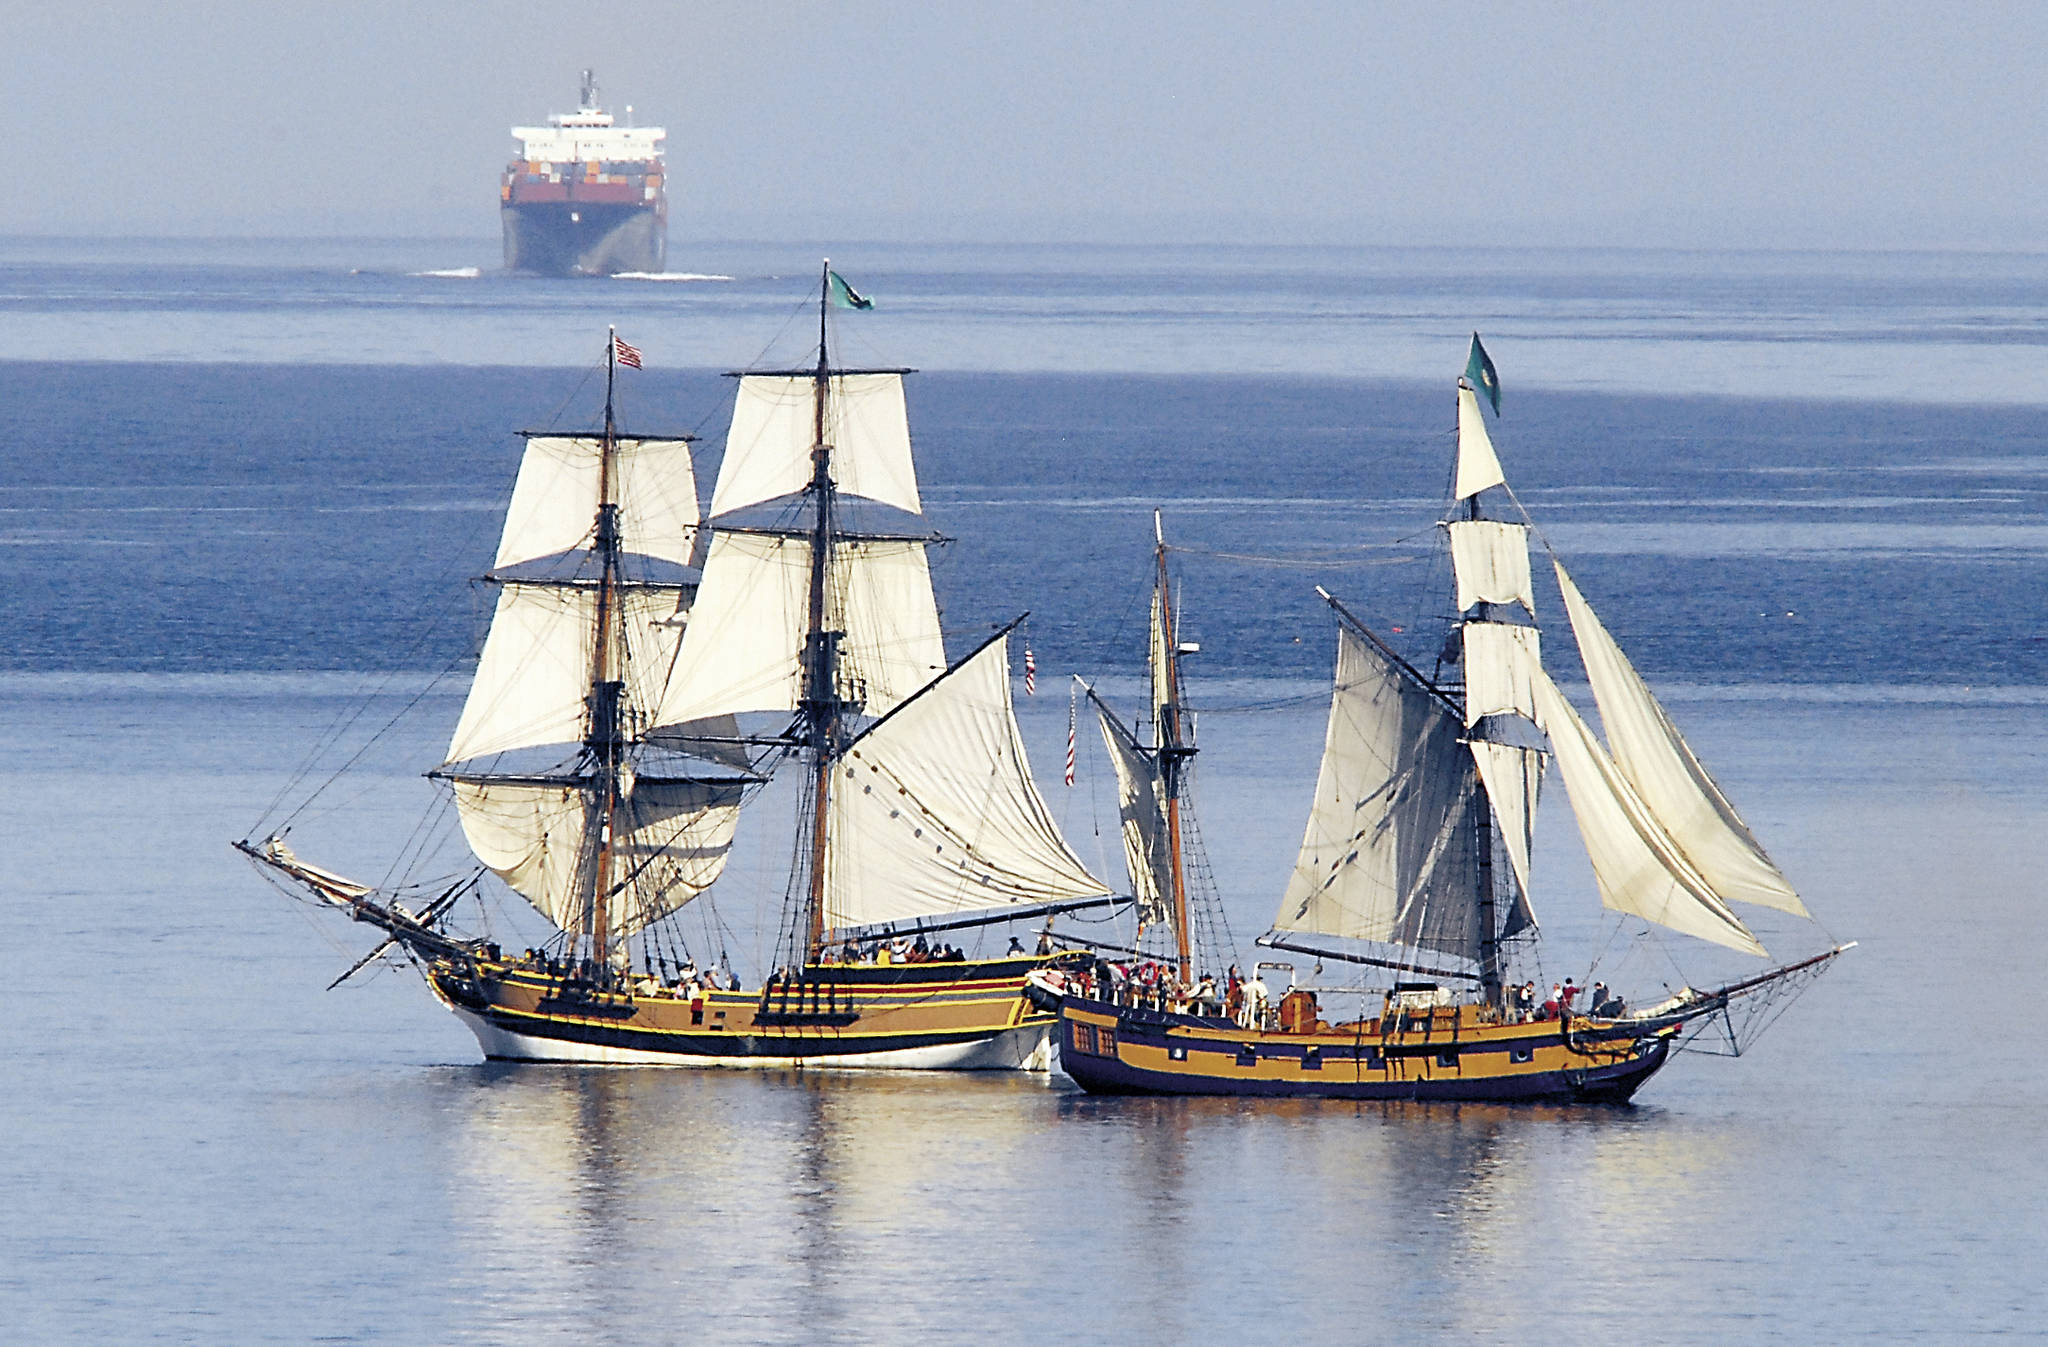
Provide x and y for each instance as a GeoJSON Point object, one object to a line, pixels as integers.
{"type": "Point", "coordinates": [555, 501]}
{"type": "Point", "coordinates": [670, 841]}
{"type": "Point", "coordinates": [934, 811]}
{"type": "Point", "coordinates": [1639, 866]}
{"type": "Point", "coordinates": [1141, 805]}
{"type": "Point", "coordinates": [745, 647]}
{"type": "Point", "coordinates": [768, 450]}
{"type": "Point", "coordinates": [533, 679]}
{"type": "Point", "coordinates": [1391, 850]}
{"type": "Point", "coordinates": [1671, 782]}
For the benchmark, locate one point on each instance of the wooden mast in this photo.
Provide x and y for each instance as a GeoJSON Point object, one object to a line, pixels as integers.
{"type": "Point", "coordinates": [603, 741]}
{"type": "Point", "coordinates": [1173, 748]}
{"type": "Point", "coordinates": [1489, 920]}
{"type": "Point", "coordinates": [1482, 820]}
{"type": "Point", "coordinates": [821, 647]}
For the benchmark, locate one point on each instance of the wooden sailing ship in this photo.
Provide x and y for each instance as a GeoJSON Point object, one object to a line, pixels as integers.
{"type": "Point", "coordinates": [603, 757]}
{"type": "Point", "coordinates": [1416, 861]}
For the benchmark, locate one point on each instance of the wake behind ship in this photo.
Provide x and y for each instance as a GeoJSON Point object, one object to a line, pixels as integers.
{"type": "Point", "coordinates": [585, 197]}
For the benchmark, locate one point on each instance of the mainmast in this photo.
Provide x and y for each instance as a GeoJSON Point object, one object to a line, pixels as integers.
{"type": "Point", "coordinates": [819, 704]}
{"type": "Point", "coordinates": [1174, 747]}
{"type": "Point", "coordinates": [603, 741]}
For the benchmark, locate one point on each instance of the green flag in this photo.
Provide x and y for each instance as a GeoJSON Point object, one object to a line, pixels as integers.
{"type": "Point", "coordinates": [844, 295]}
{"type": "Point", "coordinates": [1479, 373]}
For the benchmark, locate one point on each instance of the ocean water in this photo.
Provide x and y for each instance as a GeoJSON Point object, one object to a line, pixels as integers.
{"type": "Point", "coordinates": [241, 494]}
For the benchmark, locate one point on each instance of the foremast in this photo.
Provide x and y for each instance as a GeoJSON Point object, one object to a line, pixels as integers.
{"type": "Point", "coordinates": [1175, 742]}
{"type": "Point", "coordinates": [604, 741]}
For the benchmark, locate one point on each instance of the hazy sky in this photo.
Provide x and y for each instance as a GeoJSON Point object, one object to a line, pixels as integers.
{"type": "Point", "coordinates": [1744, 124]}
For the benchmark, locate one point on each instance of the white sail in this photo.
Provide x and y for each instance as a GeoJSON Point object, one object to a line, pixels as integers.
{"type": "Point", "coordinates": [1159, 660]}
{"type": "Point", "coordinates": [1666, 775]}
{"type": "Point", "coordinates": [670, 842]}
{"type": "Point", "coordinates": [1513, 777]}
{"type": "Point", "coordinates": [554, 504]}
{"type": "Point", "coordinates": [534, 676]}
{"type": "Point", "coordinates": [1391, 850]}
{"type": "Point", "coordinates": [1491, 562]}
{"type": "Point", "coordinates": [747, 628]}
{"type": "Point", "coordinates": [1478, 465]}
{"type": "Point", "coordinates": [934, 811]}
{"type": "Point", "coordinates": [768, 450]}
{"type": "Point", "coordinates": [1637, 864]}
{"type": "Point", "coordinates": [1141, 807]}
{"type": "Point", "coordinates": [1498, 658]}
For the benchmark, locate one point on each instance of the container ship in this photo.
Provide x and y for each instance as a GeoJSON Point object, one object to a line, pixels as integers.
{"type": "Point", "coordinates": [585, 197]}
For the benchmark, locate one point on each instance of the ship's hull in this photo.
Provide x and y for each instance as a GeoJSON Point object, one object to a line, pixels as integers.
{"type": "Point", "coordinates": [943, 1016]}
{"type": "Point", "coordinates": [1448, 1054]}
{"type": "Point", "coordinates": [575, 238]}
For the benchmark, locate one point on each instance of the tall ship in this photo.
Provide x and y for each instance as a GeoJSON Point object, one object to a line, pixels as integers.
{"type": "Point", "coordinates": [647, 673]}
{"type": "Point", "coordinates": [586, 196]}
{"type": "Point", "coordinates": [1416, 862]}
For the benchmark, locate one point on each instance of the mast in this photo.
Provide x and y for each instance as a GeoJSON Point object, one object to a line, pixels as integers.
{"type": "Point", "coordinates": [603, 741]}
{"type": "Point", "coordinates": [819, 704]}
{"type": "Point", "coordinates": [1174, 750]}
{"type": "Point", "coordinates": [1482, 828]}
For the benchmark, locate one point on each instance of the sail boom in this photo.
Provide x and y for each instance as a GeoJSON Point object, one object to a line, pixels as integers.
{"type": "Point", "coordinates": [914, 925]}
{"type": "Point", "coordinates": [812, 372]}
{"type": "Point", "coordinates": [839, 535]}
{"type": "Point", "coordinates": [1269, 941]}
{"type": "Point", "coordinates": [598, 434]}
{"type": "Point", "coordinates": [620, 585]}
{"type": "Point", "coordinates": [579, 781]}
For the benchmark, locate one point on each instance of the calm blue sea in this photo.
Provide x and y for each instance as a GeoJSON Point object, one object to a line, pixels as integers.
{"type": "Point", "coordinates": [243, 488]}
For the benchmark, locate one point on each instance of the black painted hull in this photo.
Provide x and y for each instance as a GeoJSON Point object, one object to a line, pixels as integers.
{"type": "Point", "coordinates": [584, 238]}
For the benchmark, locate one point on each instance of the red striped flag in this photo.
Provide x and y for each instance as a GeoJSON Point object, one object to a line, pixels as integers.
{"type": "Point", "coordinates": [1073, 704]}
{"type": "Point", "coordinates": [1030, 674]}
{"type": "Point", "coordinates": [628, 355]}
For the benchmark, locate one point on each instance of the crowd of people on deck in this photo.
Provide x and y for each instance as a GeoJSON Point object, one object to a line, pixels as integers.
{"type": "Point", "coordinates": [883, 952]}
{"type": "Point", "coordinates": [1601, 1002]}
{"type": "Point", "coordinates": [1150, 984]}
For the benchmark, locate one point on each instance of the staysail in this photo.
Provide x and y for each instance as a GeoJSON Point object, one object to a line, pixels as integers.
{"type": "Point", "coordinates": [1639, 867]}
{"type": "Point", "coordinates": [1669, 779]}
{"type": "Point", "coordinates": [933, 810]}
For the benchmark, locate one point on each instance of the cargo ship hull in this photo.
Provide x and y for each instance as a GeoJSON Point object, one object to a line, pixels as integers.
{"type": "Point", "coordinates": [585, 239]}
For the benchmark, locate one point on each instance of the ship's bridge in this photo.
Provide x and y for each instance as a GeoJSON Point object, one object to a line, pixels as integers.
{"type": "Point", "coordinates": [587, 136]}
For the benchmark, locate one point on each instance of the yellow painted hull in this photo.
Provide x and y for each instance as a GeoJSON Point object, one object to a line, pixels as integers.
{"type": "Point", "coordinates": [1449, 1052]}
{"type": "Point", "coordinates": [949, 1016]}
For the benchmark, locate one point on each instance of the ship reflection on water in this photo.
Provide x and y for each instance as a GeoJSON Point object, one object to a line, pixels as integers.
{"type": "Point", "coordinates": [867, 1206]}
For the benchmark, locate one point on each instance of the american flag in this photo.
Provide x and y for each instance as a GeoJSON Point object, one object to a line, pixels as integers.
{"type": "Point", "coordinates": [1030, 674]}
{"type": "Point", "coordinates": [628, 355]}
{"type": "Point", "coordinates": [1073, 704]}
